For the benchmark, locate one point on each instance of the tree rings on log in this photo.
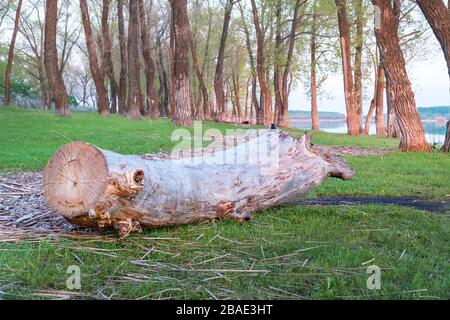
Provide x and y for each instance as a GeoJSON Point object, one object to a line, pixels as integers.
{"type": "Point", "coordinates": [75, 177]}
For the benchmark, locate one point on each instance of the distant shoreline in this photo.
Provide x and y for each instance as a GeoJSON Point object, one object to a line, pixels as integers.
{"type": "Point", "coordinates": [301, 120]}
{"type": "Point", "coordinates": [340, 120]}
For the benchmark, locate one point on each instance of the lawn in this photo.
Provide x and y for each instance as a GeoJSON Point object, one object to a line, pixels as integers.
{"type": "Point", "coordinates": [290, 252]}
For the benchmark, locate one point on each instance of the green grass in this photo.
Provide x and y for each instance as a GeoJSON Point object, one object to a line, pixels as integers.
{"type": "Point", "coordinates": [410, 247]}
{"type": "Point", "coordinates": [29, 138]}
{"type": "Point", "coordinates": [307, 252]}
{"type": "Point", "coordinates": [395, 174]}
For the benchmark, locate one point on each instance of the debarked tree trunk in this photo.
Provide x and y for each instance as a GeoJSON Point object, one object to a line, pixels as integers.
{"type": "Point", "coordinates": [98, 188]}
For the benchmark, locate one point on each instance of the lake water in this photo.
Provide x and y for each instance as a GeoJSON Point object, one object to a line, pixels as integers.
{"type": "Point", "coordinates": [434, 132]}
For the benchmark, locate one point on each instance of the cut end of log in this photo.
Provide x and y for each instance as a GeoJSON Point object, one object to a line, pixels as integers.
{"type": "Point", "coordinates": [75, 177]}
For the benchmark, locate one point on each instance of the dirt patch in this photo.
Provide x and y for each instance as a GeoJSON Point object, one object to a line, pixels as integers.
{"type": "Point", "coordinates": [333, 150]}
{"type": "Point", "coordinates": [24, 212]}
{"type": "Point", "coordinates": [226, 142]}
{"type": "Point", "coordinates": [351, 151]}
{"type": "Point", "coordinates": [415, 203]}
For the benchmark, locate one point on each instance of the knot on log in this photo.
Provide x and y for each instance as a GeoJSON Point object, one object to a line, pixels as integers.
{"type": "Point", "coordinates": [125, 185]}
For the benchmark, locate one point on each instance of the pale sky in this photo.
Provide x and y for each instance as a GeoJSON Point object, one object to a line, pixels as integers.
{"type": "Point", "coordinates": [429, 78]}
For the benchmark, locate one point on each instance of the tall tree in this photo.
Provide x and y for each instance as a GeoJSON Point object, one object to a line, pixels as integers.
{"type": "Point", "coordinates": [379, 113]}
{"type": "Point", "coordinates": [55, 79]}
{"type": "Point", "coordinates": [402, 98]}
{"type": "Point", "coordinates": [199, 73]}
{"type": "Point", "coordinates": [358, 61]}
{"type": "Point", "coordinates": [180, 69]}
{"type": "Point", "coordinates": [438, 16]}
{"type": "Point", "coordinates": [377, 97]}
{"type": "Point", "coordinates": [151, 99]}
{"type": "Point", "coordinates": [12, 44]}
{"type": "Point", "coordinates": [254, 98]}
{"type": "Point", "coordinates": [102, 95]}
{"type": "Point", "coordinates": [218, 78]}
{"type": "Point", "coordinates": [108, 65]}
{"type": "Point", "coordinates": [33, 30]}
{"type": "Point", "coordinates": [313, 62]}
{"type": "Point", "coordinates": [123, 60]}
{"type": "Point", "coordinates": [162, 73]}
{"type": "Point", "coordinates": [134, 91]}
{"type": "Point", "coordinates": [260, 66]}
{"type": "Point", "coordinates": [285, 83]}
{"type": "Point", "coordinates": [235, 79]}
{"type": "Point", "coordinates": [350, 99]}
{"type": "Point", "coordinates": [277, 62]}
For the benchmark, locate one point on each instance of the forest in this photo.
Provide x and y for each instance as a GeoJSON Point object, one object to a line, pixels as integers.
{"type": "Point", "coordinates": [230, 61]}
{"type": "Point", "coordinates": [96, 97]}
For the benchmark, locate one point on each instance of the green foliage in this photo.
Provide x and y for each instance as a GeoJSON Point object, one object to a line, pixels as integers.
{"type": "Point", "coordinates": [327, 46]}
{"type": "Point", "coordinates": [21, 83]}
{"type": "Point", "coordinates": [73, 101]}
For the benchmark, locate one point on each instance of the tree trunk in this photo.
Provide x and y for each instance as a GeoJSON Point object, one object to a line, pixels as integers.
{"type": "Point", "coordinates": [170, 68]}
{"type": "Point", "coordinates": [254, 99]}
{"type": "Point", "coordinates": [285, 86]}
{"type": "Point", "coordinates": [247, 83]}
{"type": "Point", "coordinates": [374, 102]}
{"type": "Point", "coordinates": [350, 100]}
{"type": "Point", "coordinates": [206, 111]}
{"type": "Point", "coordinates": [369, 116]}
{"type": "Point", "coordinates": [42, 88]}
{"type": "Point", "coordinates": [218, 78]}
{"type": "Point", "coordinates": [108, 65]}
{"type": "Point", "coordinates": [134, 90]}
{"type": "Point", "coordinates": [277, 63]}
{"type": "Point", "coordinates": [180, 70]}
{"type": "Point", "coordinates": [393, 130]}
{"type": "Point", "coordinates": [123, 60]}
{"type": "Point", "coordinates": [313, 47]}
{"type": "Point", "coordinates": [151, 102]}
{"type": "Point", "coordinates": [446, 146]}
{"type": "Point", "coordinates": [12, 44]}
{"type": "Point", "coordinates": [438, 17]}
{"type": "Point", "coordinates": [412, 133]}
{"type": "Point", "coordinates": [358, 62]}
{"type": "Point", "coordinates": [379, 115]}
{"type": "Point", "coordinates": [55, 79]}
{"type": "Point", "coordinates": [102, 95]}
{"type": "Point", "coordinates": [127, 192]}
{"type": "Point", "coordinates": [237, 97]}
{"type": "Point", "coordinates": [260, 67]}
{"type": "Point", "coordinates": [204, 70]}
{"type": "Point", "coordinates": [163, 79]}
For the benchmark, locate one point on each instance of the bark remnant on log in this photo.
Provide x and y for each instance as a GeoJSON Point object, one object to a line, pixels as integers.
{"type": "Point", "coordinates": [98, 188]}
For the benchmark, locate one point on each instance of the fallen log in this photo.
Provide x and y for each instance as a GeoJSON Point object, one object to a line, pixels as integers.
{"type": "Point", "coordinates": [99, 188]}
